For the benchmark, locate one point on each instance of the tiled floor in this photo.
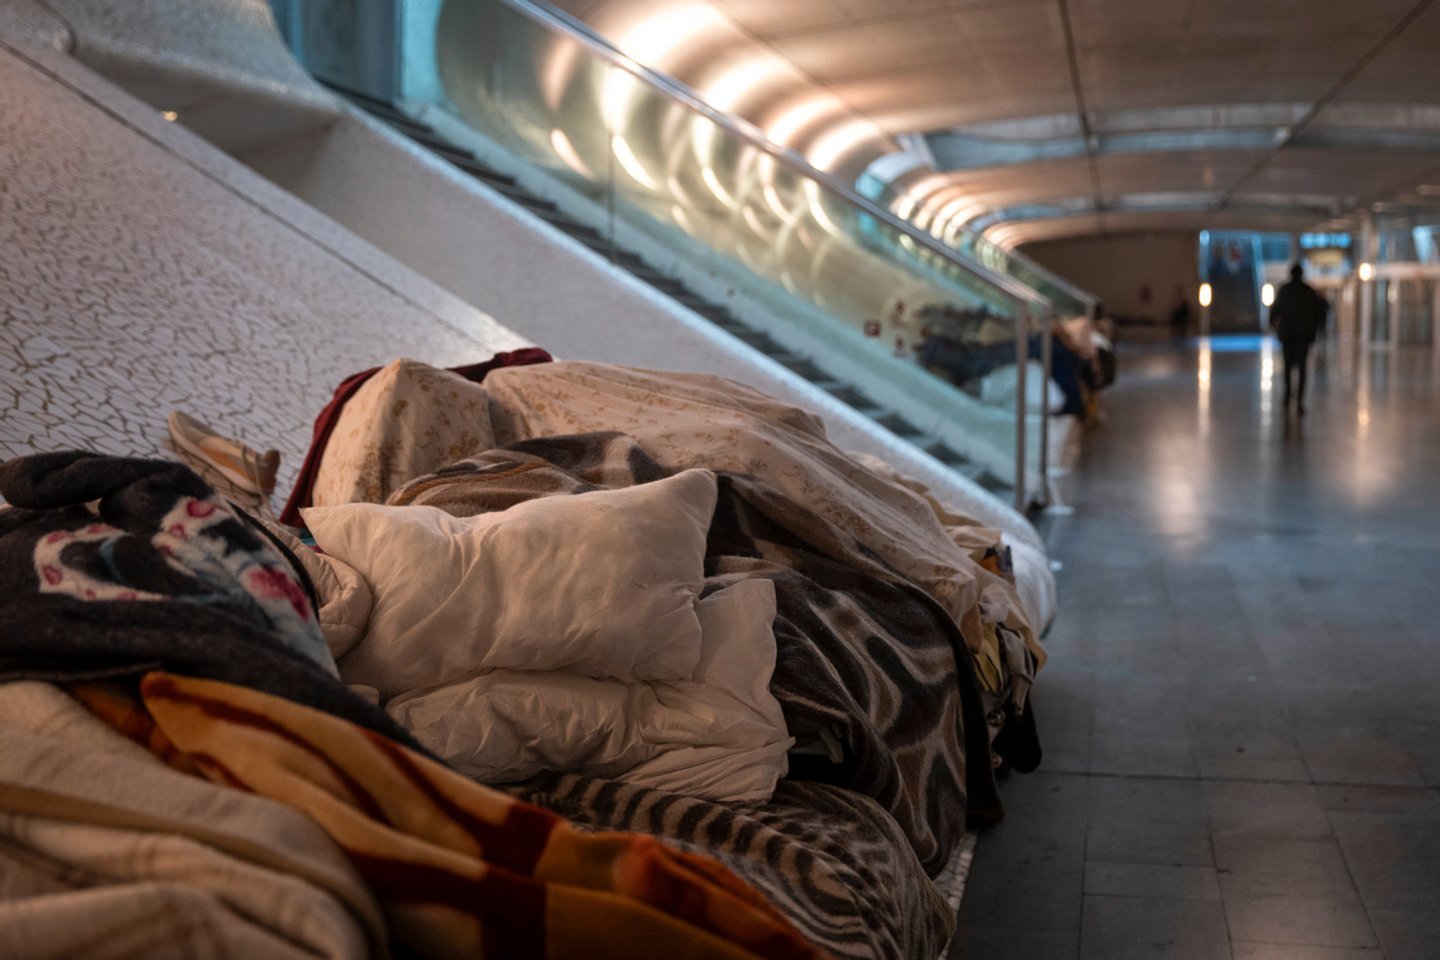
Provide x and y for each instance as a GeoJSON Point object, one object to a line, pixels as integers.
{"type": "Point", "coordinates": [1241, 713]}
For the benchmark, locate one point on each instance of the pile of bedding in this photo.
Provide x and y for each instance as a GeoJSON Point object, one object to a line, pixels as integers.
{"type": "Point", "coordinates": [176, 747]}
{"type": "Point", "coordinates": [648, 602]}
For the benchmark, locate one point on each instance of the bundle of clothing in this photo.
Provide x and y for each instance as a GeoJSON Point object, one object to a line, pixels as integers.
{"type": "Point", "coordinates": [656, 603]}
{"type": "Point", "coordinates": [975, 350]}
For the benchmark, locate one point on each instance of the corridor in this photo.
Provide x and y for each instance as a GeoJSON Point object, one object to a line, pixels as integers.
{"type": "Point", "coordinates": [1240, 715]}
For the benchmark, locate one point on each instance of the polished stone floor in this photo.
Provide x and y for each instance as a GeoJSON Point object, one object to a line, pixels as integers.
{"type": "Point", "coordinates": [1241, 714]}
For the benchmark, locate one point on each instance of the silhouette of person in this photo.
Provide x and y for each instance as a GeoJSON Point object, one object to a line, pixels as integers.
{"type": "Point", "coordinates": [1297, 317]}
{"type": "Point", "coordinates": [1180, 314]}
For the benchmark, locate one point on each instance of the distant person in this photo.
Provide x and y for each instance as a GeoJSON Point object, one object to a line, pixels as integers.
{"type": "Point", "coordinates": [1297, 317]}
{"type": "Point", "coordinates": [1180, 314]}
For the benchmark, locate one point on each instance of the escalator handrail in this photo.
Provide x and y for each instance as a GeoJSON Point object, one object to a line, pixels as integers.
{"type": "Point", "coordinates": [560, 22]}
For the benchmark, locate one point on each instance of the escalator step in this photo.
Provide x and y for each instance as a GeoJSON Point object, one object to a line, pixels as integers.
{"type": "Point", "coordinates": [492, 177]}
{"type": "Point", "coordinates": [479, 171]}
{"type": "Point", "coordinates": [550, 213]}
{"type": "Point", "coordinates": [805, 367]}
{"type": "Point", "coordinates": [725, 320]}
{"type": "Point", "coordinates": [940, 450]}
{"type": "Point", "coordinates": [360, 98]}
{"type": "Point", "coordinates": [720, 315]}
{"type": "Point", "coordinates": [448, 150]}
{"type": "Point", "coordinates": [849, 395]}
{"type": "Point", "coordinates": [757, 339]}
{"type": "Point", "coordinates": [966, 469]}
{"type": "Point", "coordinates": [410, 127]}
{"type": "Point", "coordinates": [951, 457]}
{"type": "Point", "coordinates": [595, 242]}
{"type": "Point", "coordinates": [646, 272]}
{"type": "Point", "coordinates": [993, 483]}
{"type": "Point", "coordinates": [586, 235]}
{"type": "Point", "coordinates": [383, 109]}
{"type": "Point", "coordinates": [898, 425]}
{"type": "Point", "coordinates": [429, 138]}
{"type": "Point", "coordinates": [675, 289]}
{"type": "Point", "coordinates": [518, 194]}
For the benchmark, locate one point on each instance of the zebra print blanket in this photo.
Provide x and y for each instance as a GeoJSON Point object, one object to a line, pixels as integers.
{"type": "Point", "coordinates": [865, 656]}
{"type": "Point", "coordinates": [832, 861]}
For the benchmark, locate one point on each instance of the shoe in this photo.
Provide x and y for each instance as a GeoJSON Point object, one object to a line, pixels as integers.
{"type": "Point", "coordinates": [250, 471]}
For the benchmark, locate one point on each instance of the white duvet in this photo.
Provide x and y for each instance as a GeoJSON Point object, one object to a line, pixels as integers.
{"type": "Point", "coordinates": [563, 634]}
{"type": "Point", "coordinates": [720, 735]}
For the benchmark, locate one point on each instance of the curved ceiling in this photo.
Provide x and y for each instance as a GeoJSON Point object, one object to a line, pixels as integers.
{"type": "Point", "coordinates": [1041, 119]}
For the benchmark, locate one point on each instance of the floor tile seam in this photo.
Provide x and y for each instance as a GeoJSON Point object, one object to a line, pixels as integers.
{"type": "Point", "coordinates": [271, 214]}
{"type": "Point", "coordinates": [1128, 896]}
{"type": "Point", "coordinates": [1377, 951]}
{"type": "Point", "coordinates": [1084, 858]}
{"type": "Point", "coordinates": [1354, 884]}
{"type": "Point", "coordinates": [1273, 781]}
{"type": "Point", "coordinates": [1215, 865]}
{"type": "Point", "coordinates": [1157, 896]}
{"type": "Point", "coordinates": [1171, 611]}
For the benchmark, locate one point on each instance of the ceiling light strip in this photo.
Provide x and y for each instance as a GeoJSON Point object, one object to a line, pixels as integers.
{"type": "Point", "coordinates": [1082, 111]}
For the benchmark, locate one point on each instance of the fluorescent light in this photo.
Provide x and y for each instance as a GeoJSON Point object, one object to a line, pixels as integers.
{"type": "Point", "coordinates": [1205, 294]}
{"type": "Point", "coordinates": [713, 182]}
{"type": "Point", "coordinates": [632, 165]}
{"type": "Point", "coordinates": [776, 204]}
{"type": "Point", "coordinates": [1267, 294]}
{"type": "Point", "coordinates": [566, 151]}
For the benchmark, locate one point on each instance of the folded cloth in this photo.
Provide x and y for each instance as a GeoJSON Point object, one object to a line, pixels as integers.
{"type": "Point", "coordinates": [325, 423]}
{"type": "Point", "coordinates": [106, 850]}
{"type": "Point", "coordinates": [459, 869]}
{"type": "Point", "coordinates": [859, 646]}
{"type": "Point", "coordinates": [159, 572]}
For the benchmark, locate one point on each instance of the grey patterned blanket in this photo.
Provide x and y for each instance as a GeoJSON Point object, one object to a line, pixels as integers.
{"type": "Point", "coordinates": [863, 652]}
{"type": "Point", "coordinates": [830, 859]}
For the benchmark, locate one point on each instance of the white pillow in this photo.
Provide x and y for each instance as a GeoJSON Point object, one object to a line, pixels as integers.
{"type": "Point", "coordinates": [600, 584]}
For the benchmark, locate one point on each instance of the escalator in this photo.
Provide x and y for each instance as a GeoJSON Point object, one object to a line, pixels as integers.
{"type": "Point", "coordinates": [1235, 294]}
{"type": "Point", "coordinates": [636, 265]}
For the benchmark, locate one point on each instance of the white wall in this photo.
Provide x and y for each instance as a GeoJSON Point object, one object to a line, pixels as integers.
{"type": "Point", "coordinates": [1118, 268]}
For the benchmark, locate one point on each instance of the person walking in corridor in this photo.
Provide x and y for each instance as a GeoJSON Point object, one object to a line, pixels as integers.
{"type": "Point", "coordinates": [1297, 317]}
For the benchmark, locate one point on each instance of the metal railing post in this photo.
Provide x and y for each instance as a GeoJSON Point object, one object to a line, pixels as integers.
{"type": "Point", "coordinates": [1046, 356]}
{"type": "Point", "coordinates": [1022, 358]}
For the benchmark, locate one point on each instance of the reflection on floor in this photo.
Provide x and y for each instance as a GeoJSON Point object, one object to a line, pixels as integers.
{"type": "Point", "coordinates": [1241, 713]}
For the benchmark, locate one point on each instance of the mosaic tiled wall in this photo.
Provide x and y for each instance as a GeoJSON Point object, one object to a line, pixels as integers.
{"type": "Point", "coordinates": [134, 281]}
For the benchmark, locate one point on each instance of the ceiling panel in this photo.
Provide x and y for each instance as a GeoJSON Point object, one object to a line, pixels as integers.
{"type": "Point", "coordinates": [1222, 51]}
{"type": "Point", "coordinates": [887, 9]}
{"type": "Point", "coordinates": [1199, 172]}
{"type": "Point", "coordinates": [1406, 71]}
{"type": "Point", "coordinates": [1050, 180]}
{"type": "Point", "coordinates": [1036, 231]}
{"type": "Point", "coordinates": [1340, 173]}
{"type": "Point", "coordinates": [764, 17]}
{"type": "Point", "coordinates": [924, 65]}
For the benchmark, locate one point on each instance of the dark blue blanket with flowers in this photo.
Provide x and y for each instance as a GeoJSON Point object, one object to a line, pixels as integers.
{"type": "Point", "coordinates": [111, 566]}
